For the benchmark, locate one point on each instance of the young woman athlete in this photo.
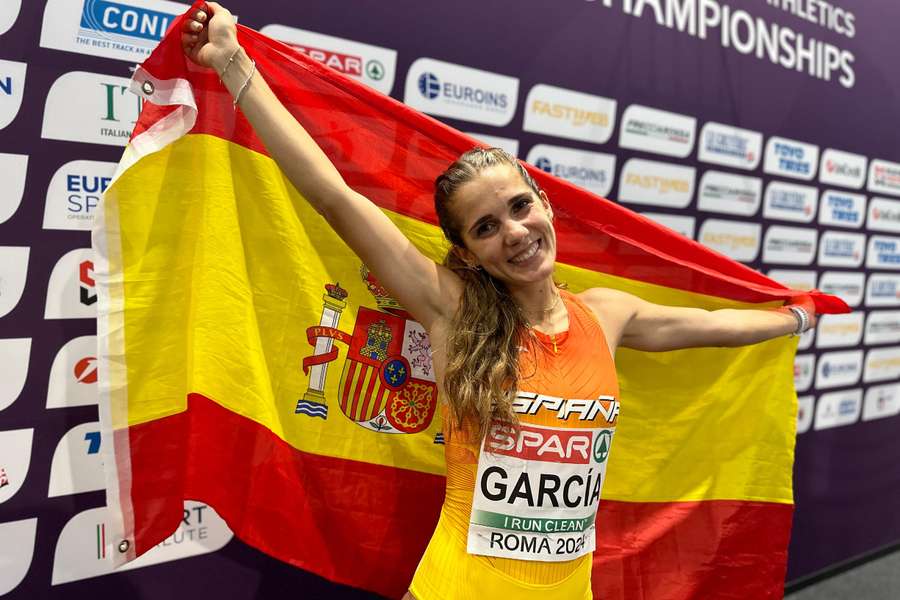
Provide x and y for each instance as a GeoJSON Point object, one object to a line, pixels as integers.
{"type": "Point", "coordinates": [518, 360]}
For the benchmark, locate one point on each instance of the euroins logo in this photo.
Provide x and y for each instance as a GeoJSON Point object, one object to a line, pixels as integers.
{"type": "Point", "coordinates": [433, 88]}
{"type": "Point", "coordinates": [120, 26]}
{"type": "Point", "coordinates": [86, 292]}
{"type": "Point", "coordinates": [733, 146]}
{"type": "Point", "coordinates": [582, 176]}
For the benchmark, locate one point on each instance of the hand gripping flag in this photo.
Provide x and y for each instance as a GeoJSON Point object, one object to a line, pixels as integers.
{"type": "Point", "coordinates": [250, 360]}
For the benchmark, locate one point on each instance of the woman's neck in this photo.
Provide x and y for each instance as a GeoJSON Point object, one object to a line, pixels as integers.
{"type": "Point", "coordinates": [542, 306]}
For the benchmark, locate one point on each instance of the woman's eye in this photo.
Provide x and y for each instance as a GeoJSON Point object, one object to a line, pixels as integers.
{"type": "Point", "coordinates": [484, 229]}
{"type": "Point", "coordinates": [521, 204]}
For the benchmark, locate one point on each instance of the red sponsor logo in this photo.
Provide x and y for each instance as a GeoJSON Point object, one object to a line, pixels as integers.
{"type": "Point", "coordinates": [344, 63]}
{"type": "Point", "coordinates": [572, 446]}
{"type": "Point", "coordinates": [86, 370]}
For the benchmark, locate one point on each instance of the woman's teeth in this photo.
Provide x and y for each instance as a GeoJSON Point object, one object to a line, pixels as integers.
{"type": "Point", "coordinates": [526, 254]}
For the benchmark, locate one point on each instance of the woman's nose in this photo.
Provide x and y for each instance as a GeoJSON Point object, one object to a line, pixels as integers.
{"type": "Point", "coordinates": [515, 231]}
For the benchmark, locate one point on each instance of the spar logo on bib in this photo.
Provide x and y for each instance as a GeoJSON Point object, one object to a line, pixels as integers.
{"type": "Point", "coordinates": [592, 171]}
{"type": "Point", "coordinates": [791, 158]}
{"type": "Point", "coordinates": [843, 168]}
{"type": "Point", "coordinates": [730, 146]}
{"type": "Point", "coordinates": [569, 114]}
{"type": "Point", "coordinates": [449, 90]}
{"type": "Point", "coordinates": [842, 209]}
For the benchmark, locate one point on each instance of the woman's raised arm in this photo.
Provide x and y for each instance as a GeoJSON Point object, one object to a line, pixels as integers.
{"type": "Point", "coordinates": [427, 290]}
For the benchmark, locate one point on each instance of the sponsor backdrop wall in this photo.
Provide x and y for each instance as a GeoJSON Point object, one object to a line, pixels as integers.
{"type": "Point", "coordinates": [762, 128]}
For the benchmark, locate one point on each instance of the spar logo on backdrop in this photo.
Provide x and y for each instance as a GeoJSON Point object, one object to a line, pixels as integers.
{"type": "Point", "coordinates": [13, 270]}
{"type": "Point", "coordinates": [123, 29]}
{"type": "Point", "coordinates": [884, 177]}
{"type": "Point", "coordinates": [657, 131]}
{"type": "Point", "coordinates": [728, 193]}
{"type": "Point", "coordinates": [790, 202]}
{"type": "Point", "coordinates": [884, 215]}
{"type": "Point", "coordinates": [74, 194]}
{"type": "Point", "coordinates": [592, 171]}
{"type": "Point", "coordinates": [882, 327]}
{"type": "Point", "coordinates": [677, 223]}
{"type": "Point", "coordinates": [92, 108]}
{"type": "Point", "coordinates": [9, 12]}
{"type": "Point", "coordinates": [848, 286]}
{"type": "Point", "coordinates": [791, 158]}
{"type": "Point", "coordinates": [450, 90]}
{"type": "Point", "coordinates": [70, 292]}
{"type": "Point", "coordinates": [836, 409]}
{"type": "Point", "coordinates": [842, 209]}
{"type": "Point", "coordinates": [12, 85]}
{"type": "Point", "coordinates": [789, 245]}
{"type": "Point", "coordinates": [86, 544]}
{"type": "Point", "coordinates": [15, 458]}
{"type": "Point", "coordinates": [836, 331]}
{"type": "Point", "coordinates": [883, 289]}
{"type": "Point", "coordinates": [730, 146]}
{"type": "Point", "coordinates": [569, 114]}
{"type": "Point", "coordinates": [881, 402]}
{"type": "Point", "coordinates": [736, 239]}
{"type": "Point", "coordinates": [804, 368]}
{"type": "Point", "coordinates": [805, 407]}
{"type": "Point", "coordinates": [15, 354]}
{"type": "Point", "coordinates": [511, 145]}
{"type": "Point", "coordinates": [883, 252]}
{"type": "Point", "coordinates": [843, 168]}
{"type": "Point", "coordinates": [837, 369]}
{"type": "Point", "coordinates": [882, 364]}
{"type": "Point", "coordinates": [77, 465]}
{"type": "Point", "coordinates": [373, 65]}
{"type": "Point", "coordinates": [14, 167]}
{"type": "Point", "coordinates": [73, 374]}
{"type": "Point", "coordinates": [656, 183]}
{"type": "Point", "coordinates": [16, 552]}
{"type": "Point", "coordinates": [840, 249]}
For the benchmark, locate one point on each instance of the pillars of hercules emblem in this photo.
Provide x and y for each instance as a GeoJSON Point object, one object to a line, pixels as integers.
{"type": "Point", "coordinates": [332, 308]}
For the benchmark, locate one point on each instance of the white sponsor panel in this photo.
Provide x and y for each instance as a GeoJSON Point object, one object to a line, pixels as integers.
{"type": "Point", "coordinates": [804, 369]}
{"type": "Point", "coordinates": [790, 202]}
{"type": "Point", "coordinates": [789, 245]}
{"type": "Point", "coordinates": [836, 409]}
{"type": "Point", "coordinates": [795, 279]}
{"type": "Point", "coordinates": [15, 457]}
{"type": "Point", "coordinates": [730, 146]}
{"type": "Point", "coordinates": [13, 270]}
{"type": "Point", "coordinates": [790, 158]}
{"type": "Point", "coordinates": [656, 183]}
{"type": "Point", "coordinates": [91, 108]}
{"type": "Point", "coordinates": [511, 145]}
{"type": "Point", "coordinates": [736, 239]}
{"type": "Point", "coordinates": [882, 327]}
{"type": "Point", "coordinates": [842, 209]}
{"type": "Point", "coordinates": [14, 168]}
{"type": "Point", "coordinates": [729, 193]}
{"type": "Point", "coordinates": [884, 177]}
{"type": "Point", "coordinates": [12, 86]}
{"type": "Point", "coordinates": [843, 168]}
{"type": "Point", "coordinates": [121, 29]}
{"type": "Point", "coordinates": [15, 354]}
{"type": "Point", "coordinates": [881, 402]}
{"type": "Point", "coordinates": [658, 131]}
{"type": "Point", "coordinates": [884, 215]}
{"type": "Point", "coordinates": [805, 408]}
{"type": "Point", "coordinates": [842, 249]}
{"type": "Point", "coordinates": [882, 364]}
{"type": "Point", "coordinates": [806, 339]}
{"type": "Point", "coordinates": [569, 114]}
{"type": "Point", "coordinates": [71, 291]}
{"type": "Point", "coordinates": [848, 286]}
{"type": "Point", "coordinates": [373, 65]}
{"type": "Point", "coordinates": [883, 289]}
{"type": "Point", "coordinates": [593, 171]}
{"type": "Point", "coordinates": [84, 548]}
{"type": "Point", "coordinates": [9, 12]}
{"type": "Point", "coordinates": [679, 223]}
{"type": "Point", "coordinates": [837, 369]}
{"type": "Point", "coordinates": [73, 375]}
{"type": "Point", "coordinates": [838, 331]}
{"type": "Point", "coordinates": [16, 552]}
{"type": "Point", "coordinates": [449, 90]}
{"type": "Point", "coordinates": [77, 464]}
{"type": "Point", "coordinates": [883, 252]}
{"type": "Point", "coordinates": [74, 194]}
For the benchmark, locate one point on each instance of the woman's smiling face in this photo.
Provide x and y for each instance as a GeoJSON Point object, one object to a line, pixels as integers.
{"type": "Point", "coordinates": [507, 228]}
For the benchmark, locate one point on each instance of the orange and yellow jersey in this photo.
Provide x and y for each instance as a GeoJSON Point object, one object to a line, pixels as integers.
{"type": "Point", "coordinates": [518, 519]}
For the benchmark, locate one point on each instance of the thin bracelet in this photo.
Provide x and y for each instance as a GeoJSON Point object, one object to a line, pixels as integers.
{"type": "Point", "coordinates": [228, 64]}
{"type": "Point", "coordinates": [240, 93]}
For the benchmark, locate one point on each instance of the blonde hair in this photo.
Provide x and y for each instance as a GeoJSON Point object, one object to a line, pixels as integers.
{"type": "Point", "coordinates": [487, 329]}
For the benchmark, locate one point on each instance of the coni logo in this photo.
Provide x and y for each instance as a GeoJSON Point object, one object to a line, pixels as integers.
{"type": "Point", "coordinates": [429, 85]}
{"type": "Point", "coordinates": [544, 164]}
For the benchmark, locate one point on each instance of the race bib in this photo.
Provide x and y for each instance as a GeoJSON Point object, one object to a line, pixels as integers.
{"type": "Point", "coordinates": [536, 494]}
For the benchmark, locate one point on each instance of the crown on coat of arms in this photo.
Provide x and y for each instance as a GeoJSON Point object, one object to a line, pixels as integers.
{"type": "Point", "coordinates": [334, 290]}
{"type": "Point", "coordinates": [382, 298]}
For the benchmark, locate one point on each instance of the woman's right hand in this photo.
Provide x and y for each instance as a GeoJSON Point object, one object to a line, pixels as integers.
{"type": "Point", "coordinates": [209, 37]}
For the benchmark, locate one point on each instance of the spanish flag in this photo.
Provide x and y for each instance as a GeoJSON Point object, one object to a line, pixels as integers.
{"type": "Point", "coordinates": [246, 353]}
